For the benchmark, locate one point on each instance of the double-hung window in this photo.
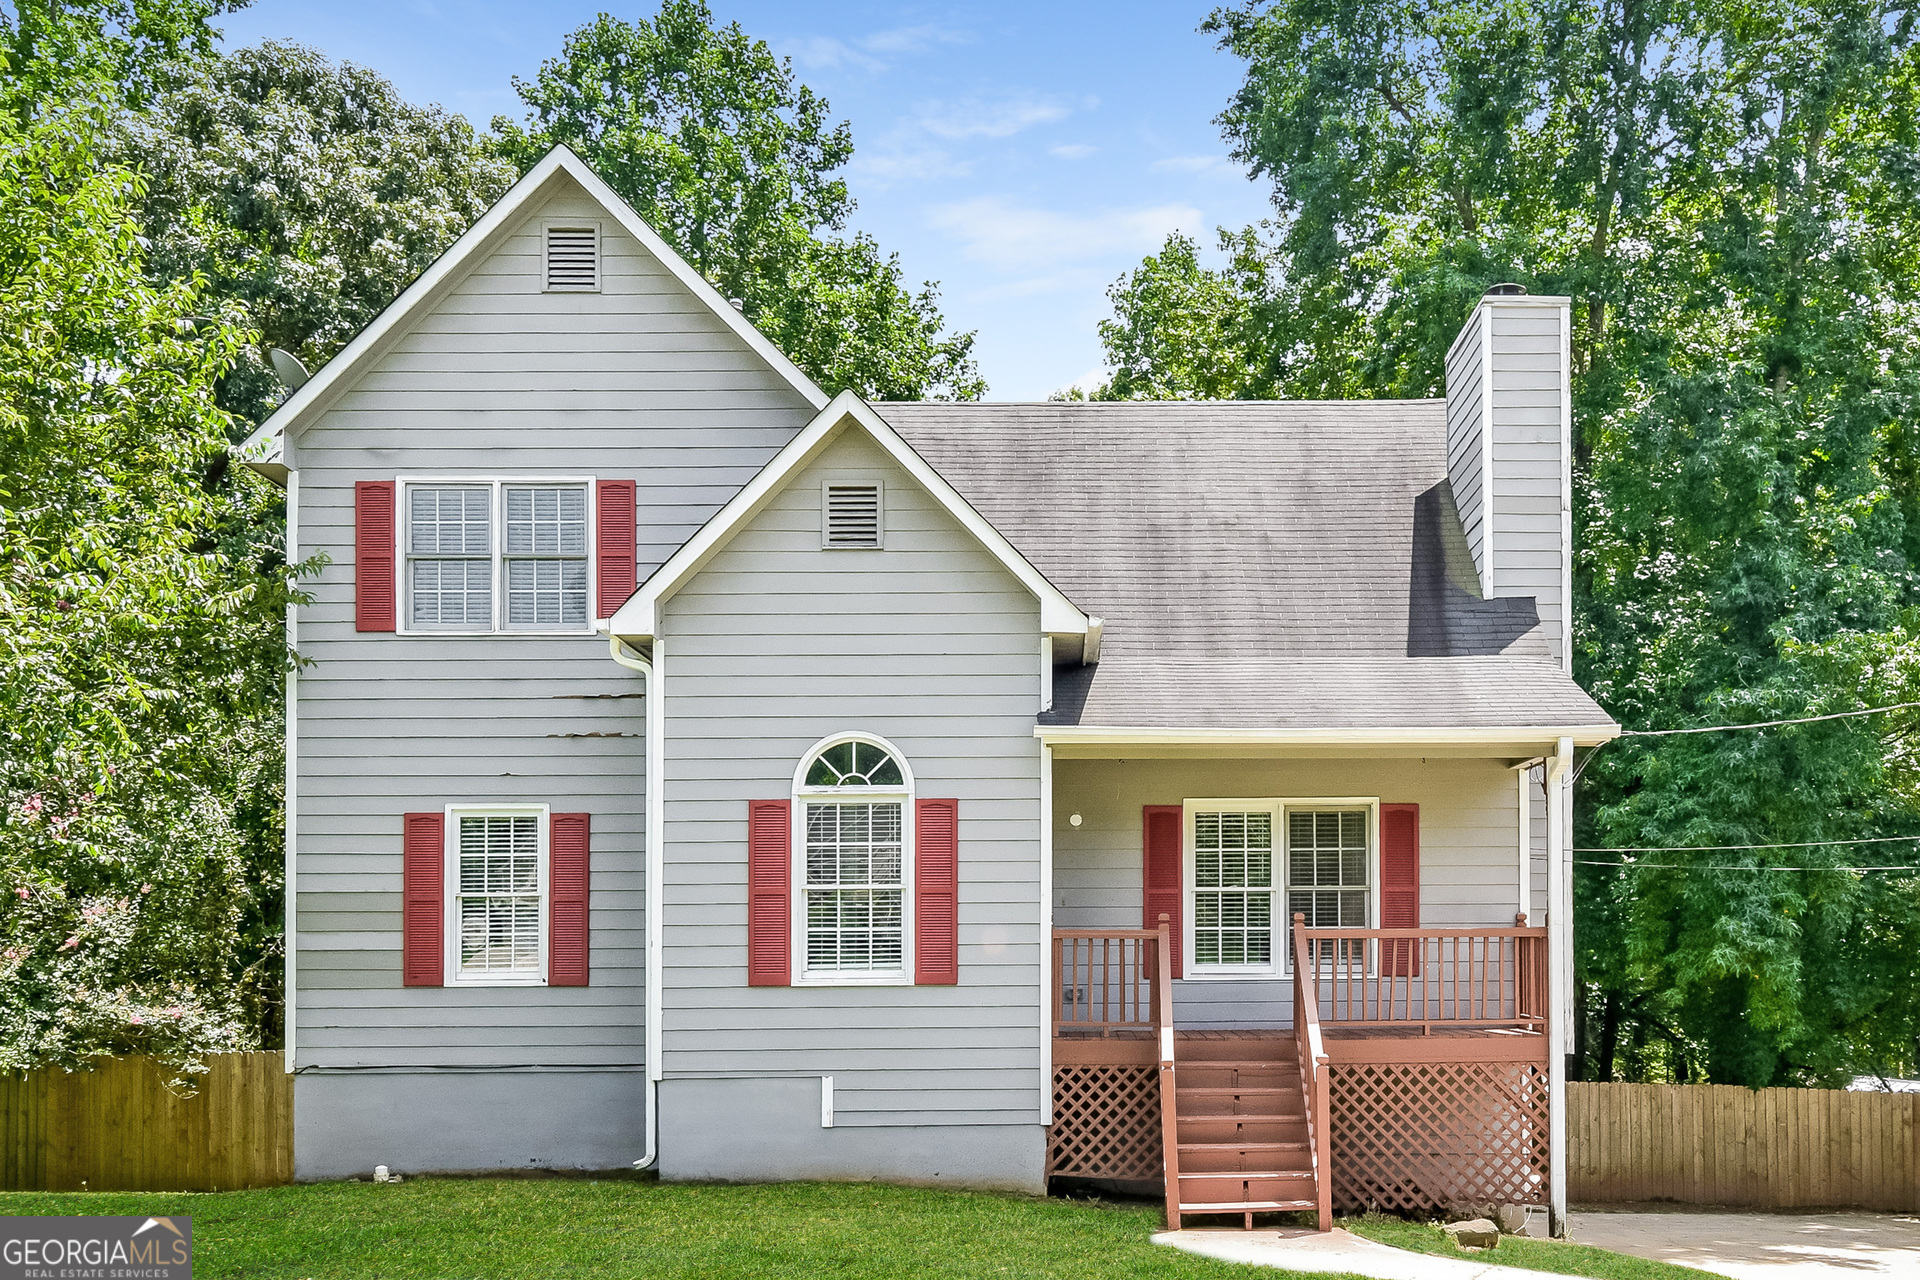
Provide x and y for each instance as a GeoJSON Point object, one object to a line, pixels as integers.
{"type": "Point", "coordinates": [1252, 864]}
{"type": "Point", "coordinates": [854, 798]}
{"type": "Point", "coordinates": [498, 555]}
{"type": "Point", "coordinates": [498, 892]}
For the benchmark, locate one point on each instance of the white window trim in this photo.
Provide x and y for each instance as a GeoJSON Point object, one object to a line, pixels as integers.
{"type": "Point", "coordinates": [802, 794]}
{"type": "Point", "coordinates": [1278, 806]}
{"type": "Point", "coordinates": [450, 895]}
{"type": "Point", "coordinates": [599, 255]}
{"type": "Point", "coordinates": [851, 479]}
{"type": "Point", "coordinates": [403, 551]}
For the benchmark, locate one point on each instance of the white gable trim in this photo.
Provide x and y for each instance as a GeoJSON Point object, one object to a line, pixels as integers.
{"type": "Point", "coordinates": [638, 617]}
{"type": "Point", "coordinates": [265, 446]}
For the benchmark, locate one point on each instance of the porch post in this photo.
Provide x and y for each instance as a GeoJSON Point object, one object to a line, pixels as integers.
{"type": "Point", "coordinates": [1047, 993]}
{"type": "Point", "coordinates": [1559, 980]}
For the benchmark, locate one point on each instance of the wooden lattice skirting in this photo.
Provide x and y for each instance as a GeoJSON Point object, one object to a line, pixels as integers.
{"type": "Point", "coordinates": [1434, 1135]}
{"type": "Point", "coordinates": [1106, 1122]}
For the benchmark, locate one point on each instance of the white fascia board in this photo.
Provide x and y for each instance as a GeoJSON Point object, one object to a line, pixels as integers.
{"type": "Point", "coordinates": [1103, 735]}
{"type": "Point", "coordinates": [637, 618]}
{"type": "Point", "coordinates": [291, 416]}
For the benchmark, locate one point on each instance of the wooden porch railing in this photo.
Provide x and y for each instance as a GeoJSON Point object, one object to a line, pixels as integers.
{"type": "Point", "coordinates": [1314, 1076]}
{"type": "Point", "coordinates": [1408, 978]}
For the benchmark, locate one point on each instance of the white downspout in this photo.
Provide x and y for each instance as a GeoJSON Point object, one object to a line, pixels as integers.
{"type": "Point", "coordinates": [290, 811]}
{"type": "Point", "coordinates": [1559, 981]}
{"type": "Point", "coordinates": [633, 660]}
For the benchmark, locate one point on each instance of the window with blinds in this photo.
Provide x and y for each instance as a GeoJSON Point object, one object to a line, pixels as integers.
{"type": "Point", "coordinates": [450, 557]}
{"type": "Point", "coordinates": [1329, 861]}
{"type": "Point", "coordinates": [1233, 889]}
{"type": "Point", "coordinates": [497, 556]}
{"type": "Point", "coordinates": [497, 899]}
{"type": "Point", "coordinates": [855, 888]}
{"type": "Point", "coordinates": [546, 557]}
{"type": "Point", "coordinates": [851, 516]}
{"type": "Point", "coordinates": [573, 259]}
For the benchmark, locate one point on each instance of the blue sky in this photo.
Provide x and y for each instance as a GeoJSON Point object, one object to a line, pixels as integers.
{"type": "Point", "coordinates": [1023, 155]}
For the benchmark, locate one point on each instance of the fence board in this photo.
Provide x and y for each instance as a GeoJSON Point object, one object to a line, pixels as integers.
{"type": "Point", "coordinates": [1721, 1144]}
{"type": "Point", "coordinates": [117, 1128]}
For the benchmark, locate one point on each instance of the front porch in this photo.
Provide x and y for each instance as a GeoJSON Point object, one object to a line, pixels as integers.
{"type": "Point", "coordinates": [1414, 1076]}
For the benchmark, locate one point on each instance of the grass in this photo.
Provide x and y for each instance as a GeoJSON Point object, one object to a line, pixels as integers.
{"type": "Point", "coordinates": [1519, 1251]}
{"type": "Point", "coordinates": [454, 1229]}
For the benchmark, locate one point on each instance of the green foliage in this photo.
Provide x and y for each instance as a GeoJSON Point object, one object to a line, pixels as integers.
{"type": "Point", "coordinates": [1727, 194]}
{"type": "Point", "coordinates": [309, 195]}
{"type": "Point", "coordinates": [707, 135]}
{"type": "Point", "coordinates": [139, 777]}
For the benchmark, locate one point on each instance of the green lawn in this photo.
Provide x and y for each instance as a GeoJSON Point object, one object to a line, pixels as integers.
{"type": "Point", "coordinates": [1521, 1251]}
{"type": "Point", "coordinates": [452, 1229]}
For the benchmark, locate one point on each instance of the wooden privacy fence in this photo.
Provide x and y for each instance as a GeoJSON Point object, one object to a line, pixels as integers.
{"type": "Point", "coordinates": [117, 1128]}
{"type": "Point", "coordinates": [1726, 1145]}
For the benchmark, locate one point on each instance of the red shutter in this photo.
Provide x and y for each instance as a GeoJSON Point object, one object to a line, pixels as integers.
{"type": "Point", "coordinates": [769, 893]}
{"type": "Point", "coordinates": [614, 547]}
{"type": "Point", "coordinates": [1400, 884]}
{"type": "Point", "coordinates": [568, 871]}
{"type": "Point", "coordinates": [373, 607]}
{"type": "Point", "coordinates": [423, 927]}
{"type": "Point", "coordinates": [936, 892]}
{"type": "Point", "coordinates": [1160, 867]}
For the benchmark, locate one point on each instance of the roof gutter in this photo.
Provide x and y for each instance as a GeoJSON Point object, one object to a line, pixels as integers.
{"type": "Point", "coordinates": [1104, 735]}
{"type": "Point", "coordinates": [633, 660]}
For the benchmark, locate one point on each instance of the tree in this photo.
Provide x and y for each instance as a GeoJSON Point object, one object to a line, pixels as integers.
{"type": "Point", "coordinates": [1727, 193]}
{"type": "Point", "coordinates": [707, 135]}
{"type": "Point", "coordinates": [1181, 331]}
{"type": "Point", "coordinates": [309, 195]}
{"type": "Point", "coordinates": [129, 639]}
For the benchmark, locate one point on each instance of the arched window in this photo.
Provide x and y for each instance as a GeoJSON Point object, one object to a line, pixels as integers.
{"type": "Point", "coordinates": [853, 795]}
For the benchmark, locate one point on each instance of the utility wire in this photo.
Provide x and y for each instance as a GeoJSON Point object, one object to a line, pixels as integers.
{"type": "Point", "coordinates": [1728, 848]}
{"type": "Point", "coordinates": [1765, 724]}
{"type": "Point", "coordinates": [1679, 866]}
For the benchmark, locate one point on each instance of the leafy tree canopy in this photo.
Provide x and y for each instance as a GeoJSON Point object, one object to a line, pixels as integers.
{"type": "Point", "coordinates": [707, 135]}
{"type": "Point", "coordinates": [1727, 193]}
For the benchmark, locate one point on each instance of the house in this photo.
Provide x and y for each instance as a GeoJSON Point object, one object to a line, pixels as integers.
{"type": "Point", "coordinates": [694, 770]}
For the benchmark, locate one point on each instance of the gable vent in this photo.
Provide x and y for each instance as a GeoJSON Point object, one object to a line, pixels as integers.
{"type": "Point", "coordinates": [853, 515]}
{"type": "Point", "coordinates": [573, 258]}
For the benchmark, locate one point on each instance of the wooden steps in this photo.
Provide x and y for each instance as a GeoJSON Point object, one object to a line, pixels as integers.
{"type": "Point", "coordinates": [1242, 1128]}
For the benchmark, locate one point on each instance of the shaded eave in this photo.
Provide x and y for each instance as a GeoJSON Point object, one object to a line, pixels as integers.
{"type": "Point", "coordinates": [1109, 742]}
{"type": "Point", "coordinates": [265, 450]}
{"type": "Point", "coordinates": [636, 621]}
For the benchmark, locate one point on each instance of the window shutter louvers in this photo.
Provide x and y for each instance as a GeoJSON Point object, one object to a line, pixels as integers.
{"type": "Point", "coordinates": [423, 848]}
{"type": "Point", "coordinates": [614, 549]}
{"type": "Point", "coordinates": [1400, 884]}
{"type": "Point", "coordinates": [1160, 867]}
{"type": "Point", "coordinates": [573, 258]}
{"type": "Point", "coordinates": [769, 893]}
{"type": "Point", "coordinates": [373, 537]}
{"type": "Point", "coordinates": [569, 871]}
{"type": "Point", "coordinates": [936, 892]}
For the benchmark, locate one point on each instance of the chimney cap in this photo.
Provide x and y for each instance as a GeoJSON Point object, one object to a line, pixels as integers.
{"type": "Point", "coordinates": [1506, 289]}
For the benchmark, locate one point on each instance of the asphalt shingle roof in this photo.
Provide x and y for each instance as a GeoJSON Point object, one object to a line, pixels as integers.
{"type": "Point", "coordinates": [1272, 564]}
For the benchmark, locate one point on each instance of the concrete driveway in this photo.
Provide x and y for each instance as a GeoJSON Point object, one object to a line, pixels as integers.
{"type": "Point", "coordinates": [1763, 1246]}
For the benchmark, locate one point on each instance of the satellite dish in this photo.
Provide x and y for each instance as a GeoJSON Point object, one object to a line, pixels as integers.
{"type": "Point", "coordinates": [287, 368]}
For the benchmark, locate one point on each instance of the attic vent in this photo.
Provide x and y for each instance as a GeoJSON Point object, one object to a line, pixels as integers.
{"type": "Point", "coordinates": [573, 258]}
{"type": "Point", "coordinates": [853, 515]}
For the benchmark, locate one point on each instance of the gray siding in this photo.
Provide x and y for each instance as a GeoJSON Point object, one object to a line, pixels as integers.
{"type": "Point", "coordinates": [1469, 855]}
{"type": "Point", "coordinates": [1466, 407]}
{"type": "Point", "coordinates": [496, 378]}
{"type": "Point", "coordinates": [930, 644]}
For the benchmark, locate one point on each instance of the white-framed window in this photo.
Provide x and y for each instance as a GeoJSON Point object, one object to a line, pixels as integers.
{"type": "Point", "coordinates": [853, 880]}
{"type": "Point", "coordinates": [1250, 864]}
{"type": "Point", "coordinates": [496, 895]}
{"type": "Point", "coordinates": [480, 556]}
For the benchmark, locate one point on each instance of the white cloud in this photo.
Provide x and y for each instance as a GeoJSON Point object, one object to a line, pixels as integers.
{"type": "Point", "coordinates": [824, 53]}
{"type": "Point", "coordinates": [897, 163]}
{"type": "Point", "coordinates": [913, 39]}
{"type": "Point", "coordinates": [1017, 238]}
{"type": "Point", "coordinates": [1196, 164]}
{"type": "Point", "coordinates": [1088, 381]}
{"type": "Point", "coordinates": [982, 118]}
{"type": "Point", "coordinates": [1072, 151]}
{"type": "Point", "coordinates": [827, 53]}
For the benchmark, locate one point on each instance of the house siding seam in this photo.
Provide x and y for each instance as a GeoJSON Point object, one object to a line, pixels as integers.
{"type": "Point", "coordinates": [499, 378]}
{"type": "Point", "coordinates": [929, 644]}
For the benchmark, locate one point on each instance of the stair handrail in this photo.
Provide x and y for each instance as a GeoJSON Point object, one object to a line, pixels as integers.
{"type": "Point", "coordinates": [1169, 1099]}
{"type": "Point", "coordinates": [1314, 1087]}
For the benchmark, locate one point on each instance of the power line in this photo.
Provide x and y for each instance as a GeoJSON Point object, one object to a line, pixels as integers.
{"type": "Point", "coordinates": [1728, 848]}
{"type": "Point", "coordinates": [1765, 724]}
{"type": "Point", "coordinates": [1681, 866]}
